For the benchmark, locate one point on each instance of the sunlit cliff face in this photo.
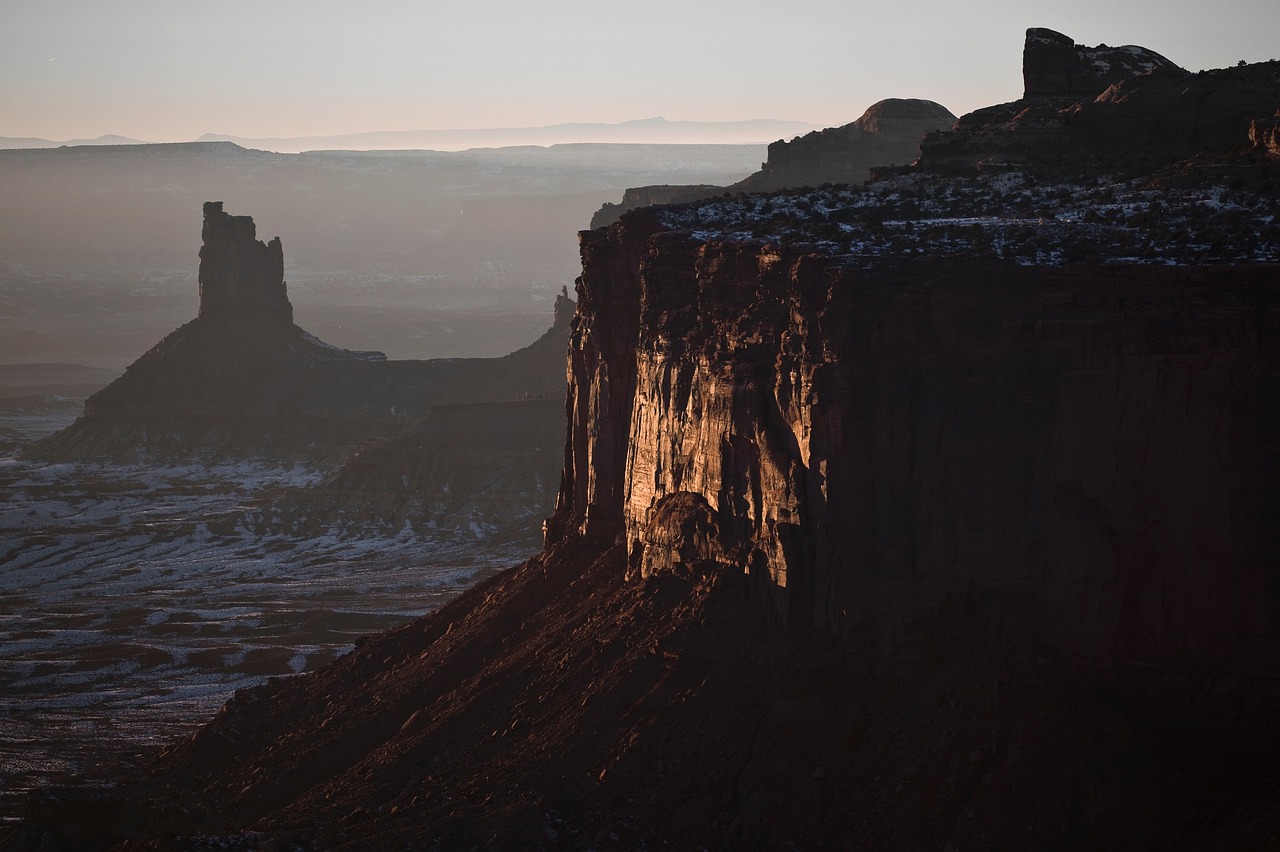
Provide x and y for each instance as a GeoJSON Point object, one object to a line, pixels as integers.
{"type": "Point", "coordinates": [873, 400]}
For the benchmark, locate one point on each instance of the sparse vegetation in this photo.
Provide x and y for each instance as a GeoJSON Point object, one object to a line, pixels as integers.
{"type": "Point", "coordinates": [1017, 217]}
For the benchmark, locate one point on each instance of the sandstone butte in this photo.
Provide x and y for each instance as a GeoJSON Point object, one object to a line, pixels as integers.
{"type": "Point", "coordinates": [922, 533]}
{"type": "Point", "coordinates": [241, 380]}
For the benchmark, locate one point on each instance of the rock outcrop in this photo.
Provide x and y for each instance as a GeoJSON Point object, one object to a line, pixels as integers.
{"type": "Point", "coordinates": [1105, 110]}
{"type": "Point", "coordinates": [464, 472]}
{"type": "Point", "coordinates": [648, 196]}
{"type": "Point", "coordinates": [887, 134]}
{"type": "Point", "coordinates": [1054, 66]}
{"type": "Point", "coordinates": [1264, 133]}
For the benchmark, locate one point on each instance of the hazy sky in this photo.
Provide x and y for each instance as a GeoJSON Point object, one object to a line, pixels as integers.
{"type": "Point", "coordinates": [173, 70]}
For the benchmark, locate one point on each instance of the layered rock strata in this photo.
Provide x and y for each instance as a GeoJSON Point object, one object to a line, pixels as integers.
{"type": "Point", "coordinates": [907, 456]}
{"type": "Point", "coordinates": [887, 134]}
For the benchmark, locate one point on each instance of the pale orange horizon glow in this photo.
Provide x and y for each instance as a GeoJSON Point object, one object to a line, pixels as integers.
{"type": "Point", "coordinates": [171, 72]}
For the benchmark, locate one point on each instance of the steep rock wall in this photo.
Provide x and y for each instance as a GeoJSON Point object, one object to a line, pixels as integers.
{"type": "Point", "coordinates": [912, 456]}
{"type": "Point", "coordinates": [240, 276]}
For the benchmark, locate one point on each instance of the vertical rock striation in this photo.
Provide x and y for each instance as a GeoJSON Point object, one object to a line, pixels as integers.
{"type": "Point", "coordinates": [926, 453]}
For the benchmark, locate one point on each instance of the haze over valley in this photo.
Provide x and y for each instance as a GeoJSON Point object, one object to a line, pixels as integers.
{"type": "Point", "coordinates": [418, 254]}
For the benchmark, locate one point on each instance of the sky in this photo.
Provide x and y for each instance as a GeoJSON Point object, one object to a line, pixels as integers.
{"type": "Point", "coordinates": [174, 70]}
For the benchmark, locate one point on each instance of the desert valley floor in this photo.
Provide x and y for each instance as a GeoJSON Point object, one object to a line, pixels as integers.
{"type": "Point", "coordinates": [135, 600]}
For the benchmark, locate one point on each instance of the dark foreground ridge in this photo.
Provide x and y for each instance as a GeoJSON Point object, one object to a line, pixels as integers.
{"type": "Point", "coordinates": [972, 548]}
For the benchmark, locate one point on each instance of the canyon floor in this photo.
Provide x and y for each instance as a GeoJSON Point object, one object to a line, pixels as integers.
{"type": "Point", "coordinates": [136, 599]}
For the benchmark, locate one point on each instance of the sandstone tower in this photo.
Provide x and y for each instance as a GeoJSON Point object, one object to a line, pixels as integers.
{"type": "Point", "coordinates": [240, 276]}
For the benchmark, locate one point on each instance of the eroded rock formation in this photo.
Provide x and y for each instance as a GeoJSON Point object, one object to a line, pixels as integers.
{"type": "Point", "coordinates": [1054, 66]}
{"type": "Point", "coordinates": [1107, 109]}
{"type": "Point", "coordinates": [1264, 133]}
{"type": "Point", "coordinates": [240, 276]}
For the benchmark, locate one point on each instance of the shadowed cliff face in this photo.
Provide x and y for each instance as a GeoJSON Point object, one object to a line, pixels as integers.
{"type": "Point", "coordinates": [909, 456]}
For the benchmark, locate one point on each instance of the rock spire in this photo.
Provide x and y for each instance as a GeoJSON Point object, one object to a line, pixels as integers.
{"type": "Point", "coordinates": [240, 276]}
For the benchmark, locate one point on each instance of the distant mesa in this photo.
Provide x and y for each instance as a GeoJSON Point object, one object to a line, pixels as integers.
{"type": "Point", "coordinates": [12, 142]}
{"type": "Point", "coordinates": [646, 131]}
{"type": "Point", "coordinates": [888, 133]}
{"type": "Point", "coordinates": [637, 197]}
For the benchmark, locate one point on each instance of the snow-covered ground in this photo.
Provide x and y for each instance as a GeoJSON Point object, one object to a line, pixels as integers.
{"type": "Point", "coordinates": [1009, 215]}
{"type": "Point", "coordinates": [135, 600]}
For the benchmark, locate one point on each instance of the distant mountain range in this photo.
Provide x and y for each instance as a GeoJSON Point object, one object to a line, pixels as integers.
{"type": "Point", "coordinates": [8, 142]}
{"type": "Point", "coordinates": [648, 130]}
